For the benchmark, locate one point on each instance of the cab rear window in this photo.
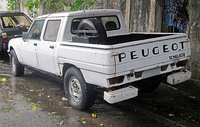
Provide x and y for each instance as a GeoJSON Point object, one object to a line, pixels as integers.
{"type": "Point", "coordinates": [109, 22]}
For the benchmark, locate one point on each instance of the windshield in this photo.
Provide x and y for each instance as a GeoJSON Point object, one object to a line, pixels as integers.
{"type": "Point", "coordinates": [14, 21]}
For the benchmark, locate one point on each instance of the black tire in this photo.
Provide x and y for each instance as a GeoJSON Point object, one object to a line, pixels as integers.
{"type": "Point", "coordinates": [79, 94]}
{"type": "Point", "coordinates": [94, 24]}
{"type": "Point", "coordinates": [148, 85]}
{"type": "Point", "coordinates": [4, 55]}
{"type": "Point", "coordinates": [16, 68]}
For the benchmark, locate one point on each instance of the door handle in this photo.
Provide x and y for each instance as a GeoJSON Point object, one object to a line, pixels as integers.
{"type": "Point", "coordinates": [52, 47]}
{"type": "Point", "coordinates": [35, 44]}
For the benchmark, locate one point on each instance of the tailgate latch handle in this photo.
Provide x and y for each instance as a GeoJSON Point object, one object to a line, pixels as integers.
{"type": "Point", "coordinates": [52, 47]}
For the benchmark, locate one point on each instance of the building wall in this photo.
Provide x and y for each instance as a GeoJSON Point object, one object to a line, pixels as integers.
{"type": "Point", "coordinates": [139, 17]}
{"type": "Point", "coordinates": [137, 13]}
{"type": "Point", "coordinates": [3, 5]}
{"type": "Point", "coordinates": [193, 31]}
{"type": "Point", "coordinates": [22, 8]}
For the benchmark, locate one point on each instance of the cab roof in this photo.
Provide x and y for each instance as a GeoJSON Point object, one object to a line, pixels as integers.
{"type": "Point", "coordinates": [8, 13]}
{"type": "Point", "coordinates": [82, 12]}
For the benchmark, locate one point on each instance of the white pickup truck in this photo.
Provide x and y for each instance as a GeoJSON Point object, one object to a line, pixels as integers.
{"type": "Point", "coordinates": [92, 50]}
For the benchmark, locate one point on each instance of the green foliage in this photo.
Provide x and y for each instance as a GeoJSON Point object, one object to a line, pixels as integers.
{"type": "Point", "coordinates": [13, 4]}
{"type": "Point", "coordinates": [51, 5]}
{"type": "Point", "coordinates": [89, 4]}
{"type": "Point", "coordinates": [74, 6]}
{"type": "Point", "coordinates": [57, 5]}
{"type": "Point", "coordinates": [54, 5]}
{"type": "Point", "coordinates": [32, 6]}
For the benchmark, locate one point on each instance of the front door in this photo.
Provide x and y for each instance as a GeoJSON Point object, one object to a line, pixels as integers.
{"type": "Point", "coordinates": [29, 47]}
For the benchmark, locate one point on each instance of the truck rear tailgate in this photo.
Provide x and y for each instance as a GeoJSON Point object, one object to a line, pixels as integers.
{"type": "Point", "coordinates": [151, 53]}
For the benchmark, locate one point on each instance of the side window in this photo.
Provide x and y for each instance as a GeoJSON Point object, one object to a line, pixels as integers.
{"type": "Point", "coordinates": [110, 23]}
{"type": "Point", "coordinates": [36, 30]}
{"type": "Point", "coordinates": [1, 23]}
{"type": "Point", "coordinates": [22, 20]}
{"type": "Point", "coordinates": [14, 21]}
{"type": "Point", "coordinates": [51, 30]}
{"type": "Point", "coordinates": [8, 22]}
{"type": "Point", "coordinates": [75, 24]}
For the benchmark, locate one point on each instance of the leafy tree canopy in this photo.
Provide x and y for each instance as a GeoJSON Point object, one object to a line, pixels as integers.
{"type": "Point", "coordinates": [51, 5]}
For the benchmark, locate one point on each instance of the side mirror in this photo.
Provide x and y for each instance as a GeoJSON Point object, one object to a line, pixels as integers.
{"type": "Point", "coordinates": [24, 36]}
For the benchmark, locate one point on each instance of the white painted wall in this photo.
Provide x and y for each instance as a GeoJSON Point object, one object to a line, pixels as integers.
{"type": "Point", "coordinates": [3, 5]}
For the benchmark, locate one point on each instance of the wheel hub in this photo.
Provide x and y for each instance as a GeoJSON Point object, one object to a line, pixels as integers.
{"type": "Point", "coordinates": [75, 89]}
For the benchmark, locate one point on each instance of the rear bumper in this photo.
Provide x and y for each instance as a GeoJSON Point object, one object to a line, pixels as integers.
{"type": "Point", "coordinates": [179, 77]}
{"type": "Point", "coordinates": [120, 94]}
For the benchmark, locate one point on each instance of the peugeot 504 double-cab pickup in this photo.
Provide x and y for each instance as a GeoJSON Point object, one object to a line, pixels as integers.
{"type": "Point", "coordinates": [91, 50]}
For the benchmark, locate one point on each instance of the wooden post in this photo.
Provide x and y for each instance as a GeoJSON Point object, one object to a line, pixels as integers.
{"type": "Point", "coordinates": [105, 4]}
{"type": "Point", "coordinates": [127, 14]}
{"type": "Point", "coordinates": [152, 17]}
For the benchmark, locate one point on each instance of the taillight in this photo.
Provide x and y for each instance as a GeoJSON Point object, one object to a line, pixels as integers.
{"type": "Point", "coordinates": [5, 37]}
{"type": "Point", "coordinates": [116, 80]}
{"type": "Point", "coordinates": [181, 63]}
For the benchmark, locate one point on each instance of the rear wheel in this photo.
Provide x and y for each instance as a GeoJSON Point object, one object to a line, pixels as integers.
{"type": "Point", "coordinates": [80, 95]}
{"type": "Point", "coordinates": [4, 55]}
{"type": "Point", "coordinates": [16, 68]}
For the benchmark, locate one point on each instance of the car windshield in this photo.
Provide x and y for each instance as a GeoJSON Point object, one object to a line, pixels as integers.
{"type": "Point", "coordinates": [14, 21]}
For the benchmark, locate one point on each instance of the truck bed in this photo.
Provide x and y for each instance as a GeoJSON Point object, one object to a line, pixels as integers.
{"type": "Point", "coordinates": [118, 39]}
{"type": "Point", "coordinates": [133, 37]}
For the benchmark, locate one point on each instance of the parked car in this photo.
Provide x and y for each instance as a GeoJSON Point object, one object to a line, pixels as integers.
{"type": "Point", "coordinates": [12, 24]}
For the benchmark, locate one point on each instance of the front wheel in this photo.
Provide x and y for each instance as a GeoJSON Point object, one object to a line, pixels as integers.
{"type": "Point", "coordinates": [80, 95]}
{"type": "Point", "coordinates": [16, 68]}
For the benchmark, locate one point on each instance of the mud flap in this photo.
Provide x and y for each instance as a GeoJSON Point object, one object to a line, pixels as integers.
{"type": "Point", "coordinates": [120, 94]}
{"type": "Point", "coordinates": [179, 77]}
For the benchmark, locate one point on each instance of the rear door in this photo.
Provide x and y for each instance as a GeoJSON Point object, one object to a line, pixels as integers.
{"type": "Point", "coordinates": [46, 49]}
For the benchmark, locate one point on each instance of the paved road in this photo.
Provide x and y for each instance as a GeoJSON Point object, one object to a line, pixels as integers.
{"type": "Point", "coordinates": [35, 100]}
